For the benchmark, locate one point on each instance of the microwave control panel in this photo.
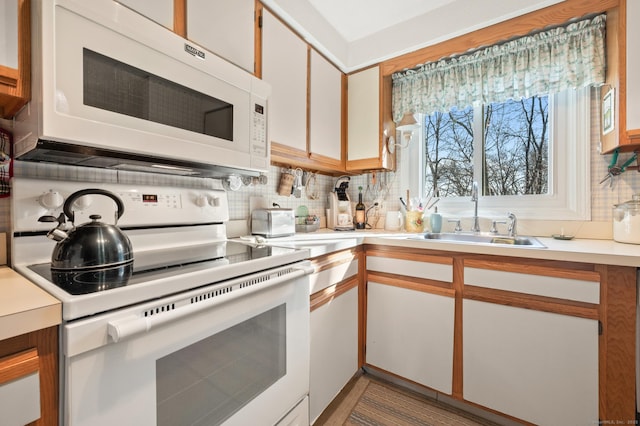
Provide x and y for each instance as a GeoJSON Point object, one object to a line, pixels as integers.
{"type": "Point", "coordinates": [259, 148]}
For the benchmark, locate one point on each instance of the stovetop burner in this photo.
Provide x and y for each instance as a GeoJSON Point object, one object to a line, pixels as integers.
{"type": "Point", "coordinates": [155, 264]}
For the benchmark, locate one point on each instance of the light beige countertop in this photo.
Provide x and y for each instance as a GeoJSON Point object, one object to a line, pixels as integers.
{"type": "Point", "coordinates": [606, 252]}
{"type": "Point", "coordinates": [25, 307]}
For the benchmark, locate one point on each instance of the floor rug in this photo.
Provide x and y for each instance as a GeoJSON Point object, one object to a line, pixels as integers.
{"type": "Point", "coordinates": [380, 404]}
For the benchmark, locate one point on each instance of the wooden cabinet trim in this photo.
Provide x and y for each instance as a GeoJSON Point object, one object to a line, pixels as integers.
{"type": "Point", "coordinates": [532, 269]}
{"type": "Point", "coordinates": [529, 301]}
{"type": "Point", "coordinates": [617, 342]}
{"type": "Point", "coordinates": [257, 31]}
{"type": "Point", "coordinates": [521, 25]}
{"type": "Point", "coordinates": [18, 365]}
{"type": "Point", "coordinates": [9, 76]}
{"type": "Point", "coordinates": [330, 260]}
{"type": "Point", "coordinates": [458, 286]}
{"type": "Point", "coordinates": [46, 343]}
{"type": "Point", "coordinates": [180, 18]}
{"type": "Point", "coordinates": [327, 294]}
{"type": "Point", "coordinates": [410, 283]}
{"type": "Point", "coordinates": [15, 84]}
{"type": "Point", "coordinates": [419, 257]}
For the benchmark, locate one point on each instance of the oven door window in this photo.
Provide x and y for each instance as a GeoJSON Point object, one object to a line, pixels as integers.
{"type": "Point", "coordinates": [207, 381]}
{"type": "Point", "coordinates": [114, 86]}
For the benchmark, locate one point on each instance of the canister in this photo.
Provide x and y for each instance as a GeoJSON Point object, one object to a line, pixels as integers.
{"type": "Point", "coordinates": [626, 221]}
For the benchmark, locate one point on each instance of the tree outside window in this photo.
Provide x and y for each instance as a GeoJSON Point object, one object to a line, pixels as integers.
{"type": "Point", "coordinates": [514, 146]}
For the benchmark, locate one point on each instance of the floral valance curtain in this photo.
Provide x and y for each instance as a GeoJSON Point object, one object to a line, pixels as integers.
{"type": "Point", "coordinates": [550, 61]}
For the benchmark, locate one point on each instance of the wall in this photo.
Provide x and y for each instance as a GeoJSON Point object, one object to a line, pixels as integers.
{"type": "Point", "coordinates": [603, 197]}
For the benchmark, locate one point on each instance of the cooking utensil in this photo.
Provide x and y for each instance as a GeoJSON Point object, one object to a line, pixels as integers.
{"type": "Point", "coordinates": [93, 245]}
{"type": "Point", "coordinates": [311, 187]}
{"type": "Point", "coordinates": [297, 187]}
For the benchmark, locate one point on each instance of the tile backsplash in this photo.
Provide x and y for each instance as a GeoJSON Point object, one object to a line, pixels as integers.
{"type": "Point", "coordinates": [386, 191]}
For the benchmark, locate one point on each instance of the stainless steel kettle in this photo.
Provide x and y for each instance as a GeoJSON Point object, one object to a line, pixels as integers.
{"type": "Point", "coordinates": [90, 246]}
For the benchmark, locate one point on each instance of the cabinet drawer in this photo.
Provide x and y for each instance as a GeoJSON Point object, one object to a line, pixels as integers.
{"type": "Point", "coordinates": [580, 290]}
{"type": "Point", "coordinates": [412, 268]}
{"type": "Point", "coordinates": [331, 276]}
{"type": "Point", "coordinates": [20, 388]}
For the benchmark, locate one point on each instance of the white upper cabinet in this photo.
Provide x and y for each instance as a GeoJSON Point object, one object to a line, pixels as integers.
{"type": "Point", "coordinates": [364, 114]}
{"type": "Point", "coordinates": [284, 67]}
{"type": "Point", "coordinates": [224, 27]}
{"type": "Point", "coordinates": [160, 11]}
{"type": "Point", "coordinates": [325, 108]}
{"type": "Point", "coordinates": [367, 96]}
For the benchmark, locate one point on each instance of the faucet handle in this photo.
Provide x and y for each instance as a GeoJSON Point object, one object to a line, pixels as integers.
{"type": "Point", "coordinates": [458, 228]}
{"type": "Point", "coordinates": [494, 228]}
{"type": "Point", "coordinates": [513, 224]}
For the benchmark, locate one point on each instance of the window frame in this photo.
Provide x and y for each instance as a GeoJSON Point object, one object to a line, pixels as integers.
{"type": "Point", "coordinates": [569, 194]}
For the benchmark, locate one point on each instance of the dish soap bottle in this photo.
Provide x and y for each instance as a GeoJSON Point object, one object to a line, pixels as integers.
{"type": "Point", "coordinates": [360, 211]}
{"type": "Point", "coordinates": [436, 221]}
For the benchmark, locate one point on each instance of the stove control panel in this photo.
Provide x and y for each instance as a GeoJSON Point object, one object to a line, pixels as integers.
{"type": "Point", "coordinates": [143, 205]}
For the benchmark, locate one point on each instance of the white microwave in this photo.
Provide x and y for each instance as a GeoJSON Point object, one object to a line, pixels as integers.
{"type": "Point", "coordinates": [111, 88]}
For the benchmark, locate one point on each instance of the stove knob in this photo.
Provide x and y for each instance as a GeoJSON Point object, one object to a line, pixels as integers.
{"type": "Point", "coordinates": [83, 202]}
{"type": "Point", "coordinates": [214, 201]}
{"type": "Point", "coordinates": [51, 200]}
{"type": "Point", "coordinates": [201, 200]}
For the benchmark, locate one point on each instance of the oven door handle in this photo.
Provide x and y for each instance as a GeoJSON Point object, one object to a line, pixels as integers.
{"type": "Point", "coordinates": [122, 328]}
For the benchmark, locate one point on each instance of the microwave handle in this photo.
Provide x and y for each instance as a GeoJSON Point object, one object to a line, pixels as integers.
{"type": "Point", "coordinates": [131, 325]}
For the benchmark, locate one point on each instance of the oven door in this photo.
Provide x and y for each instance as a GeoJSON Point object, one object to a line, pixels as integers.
{"type": "Point", "coordinates": [212, 356]}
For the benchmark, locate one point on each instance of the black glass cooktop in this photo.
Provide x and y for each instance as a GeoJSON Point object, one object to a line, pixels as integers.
{"type": "Point", "coordinates": [155, 264]}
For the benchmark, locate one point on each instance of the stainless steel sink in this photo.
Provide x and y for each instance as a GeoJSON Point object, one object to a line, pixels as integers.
{"type": "Point", "coordinates": [520, 241]}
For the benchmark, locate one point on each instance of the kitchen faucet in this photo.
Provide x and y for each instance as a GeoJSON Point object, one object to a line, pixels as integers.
{"type": "Point", "coordinates": [474, 199]}
{"type": "Point", "coordinates": [513, 225]}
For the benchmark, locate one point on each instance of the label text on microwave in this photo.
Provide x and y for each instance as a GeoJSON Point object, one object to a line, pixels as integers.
{"type": "Point", "coordinates": [193, 51]}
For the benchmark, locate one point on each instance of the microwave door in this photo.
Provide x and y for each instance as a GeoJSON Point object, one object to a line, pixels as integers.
{"type": "Point", "coordinates": [129, 85]}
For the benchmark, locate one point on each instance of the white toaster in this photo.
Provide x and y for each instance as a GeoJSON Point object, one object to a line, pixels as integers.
{"type": "Point", "coordinates": [271, 223]}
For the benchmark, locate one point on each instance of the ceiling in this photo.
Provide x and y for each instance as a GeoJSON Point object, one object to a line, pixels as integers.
{"type": "Point", "coordinates": [358, 33]}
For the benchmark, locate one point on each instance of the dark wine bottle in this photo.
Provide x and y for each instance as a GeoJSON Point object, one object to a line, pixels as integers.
{"type": "Point", "coordinates": [360, 212]}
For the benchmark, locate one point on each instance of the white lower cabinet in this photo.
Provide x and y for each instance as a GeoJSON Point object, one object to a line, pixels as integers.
{"type": "Point", "coordinates": [536, 366]}
{"type": "Point", "coordinates": [410, 334]}
{"type": "Point", "coordinates": [334, 349]}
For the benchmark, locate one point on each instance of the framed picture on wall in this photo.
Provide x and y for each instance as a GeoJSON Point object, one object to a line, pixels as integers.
{"type": "Point", "coordinates": [608, 119]}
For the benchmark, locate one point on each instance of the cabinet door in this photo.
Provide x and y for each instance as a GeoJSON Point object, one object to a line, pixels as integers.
{"type": "Point", "coordinates": [15, 56]}
{"type": "Point", "coordinates": [225, 28]}
{"type": "Point", "coordinates": [363, 97]}
{"type": "Point", "coordinates": [537, 366]}
{"type": "Point", "coordinates": [334, 349]}
{"type": "Point", "coordinates": [160, 11]}
{"type": "Point", "coordinates": [9, 34]}
{"type": "Point", "coordinates": [20, 387]}
{"type": "Point", "coordinates": [410, 333]}
{"type": "Point", "coordinates": [284, 67]}
{"type": "Point", "coordinates": [325, 110]}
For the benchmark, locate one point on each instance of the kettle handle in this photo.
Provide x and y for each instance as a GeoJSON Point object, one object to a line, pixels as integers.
{"type": "Point", "coordinates": [69, 201]}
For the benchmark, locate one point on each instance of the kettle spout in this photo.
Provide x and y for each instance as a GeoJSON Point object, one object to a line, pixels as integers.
{"type": "Point", "coordinates": [57, 234]}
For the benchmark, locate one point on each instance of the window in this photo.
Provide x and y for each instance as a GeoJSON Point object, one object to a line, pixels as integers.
{"type": "Point", "coordinates": [524, 138]}
{"type": "Point", "coordinates": [530, 157]}
{"type": "Point", "coordinates": [513, 146]}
